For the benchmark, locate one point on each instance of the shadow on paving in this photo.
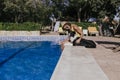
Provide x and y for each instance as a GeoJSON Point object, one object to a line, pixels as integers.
{"type": "Point", "coordinates": [109, 44]}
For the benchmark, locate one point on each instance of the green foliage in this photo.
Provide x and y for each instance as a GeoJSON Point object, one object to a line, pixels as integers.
{"type": "Point", "coordinates": [25, 10]}
{"type": "Point", "coordinates": [85, 25]}
{"type": "Point", "coordinates": [0, 26]}
{"type": "Point", "coordinates": [83, 9]}
{"type": "Point", "coordinates": [40, 10]}
{"type": "Point", "coordinates": [26, 26]}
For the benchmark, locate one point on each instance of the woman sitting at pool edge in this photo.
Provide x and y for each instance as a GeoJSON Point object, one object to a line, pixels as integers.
{"type": "Point", "coordinates": [72, 29]}
{"type": "Point", "coordinates": [75, 37]}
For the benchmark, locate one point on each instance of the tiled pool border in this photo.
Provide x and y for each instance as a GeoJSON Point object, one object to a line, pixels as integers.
{"type": "Point", "coordinates": [55, 38]}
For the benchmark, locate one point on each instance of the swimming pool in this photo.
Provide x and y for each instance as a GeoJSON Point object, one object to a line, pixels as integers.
{"type": "Point", "coordinates": [28, 60]}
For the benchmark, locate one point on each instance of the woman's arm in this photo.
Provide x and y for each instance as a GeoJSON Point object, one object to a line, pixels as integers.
{"type": "Point", "coordinates": [79, 31]}
{"type": "Point", "coordinates": [63, 43]}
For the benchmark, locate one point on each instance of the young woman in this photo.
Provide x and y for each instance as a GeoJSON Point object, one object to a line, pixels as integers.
{"type": "Point", "coordinates": [75, 37]}
{"type": "Point", "coordinates": [74, 34]}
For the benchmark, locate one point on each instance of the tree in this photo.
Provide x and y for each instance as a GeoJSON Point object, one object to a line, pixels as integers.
{"type": "Point", "coordinates": [83, 8]}
{"type": "Point", "coordinates": [78, 6]}
{"type": "Point", "coordinates": [92, 8]}
{"type": "Point", "coordinates": [40, 10]}
{"type": "Point", "coordinates": [1, 9]}
{"type": "Point", "coordinates": [27, 10]}
{"type": "Point", "coordinates": [14, 9]}
{"type": "Point", "coordinates": [58, 7]}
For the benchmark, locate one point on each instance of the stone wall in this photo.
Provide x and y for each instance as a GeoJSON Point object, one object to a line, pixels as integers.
{"type": "Point", "coordinates": [19, 33]}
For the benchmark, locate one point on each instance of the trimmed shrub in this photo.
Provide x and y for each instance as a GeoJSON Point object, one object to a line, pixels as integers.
{"type": "Point", "coordinates": [31, 26]}
{"type": "Point", "coordinates": [85, 25]}
{"type": "Point", "coordinates": [26, 26]}
{"type": "Point", "coordinates": [0, 26]}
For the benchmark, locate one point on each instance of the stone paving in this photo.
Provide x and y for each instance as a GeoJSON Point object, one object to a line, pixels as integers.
{"type": "Point", "coordinates": [76, 63]}
{"type": "Point", "coordinates": [105, 57]}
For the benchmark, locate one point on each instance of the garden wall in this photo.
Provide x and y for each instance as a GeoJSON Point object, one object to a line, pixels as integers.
{"type": "Point", "coordinates": [19, 33]}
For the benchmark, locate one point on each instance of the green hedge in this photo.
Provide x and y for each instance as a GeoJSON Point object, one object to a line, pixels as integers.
{"type": "Point", "coordinates": [0, 26]}
{"type": "Point", "coordinates": [85, 25]}
{"type": "Point", "coordinates": [31, 26]}
{"type": "Point", "coordinates": [26, 26]}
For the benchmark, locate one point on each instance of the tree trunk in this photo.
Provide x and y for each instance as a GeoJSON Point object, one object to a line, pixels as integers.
{"type": "Point", "coordinates": [16, 19]}
{"type": "Point", "coordinates": [78, 14]}
{"type": "Point", "coordinates": [78, 17]}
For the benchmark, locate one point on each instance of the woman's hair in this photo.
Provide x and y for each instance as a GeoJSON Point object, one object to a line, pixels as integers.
{"type": "Point", "coordinates": [69, 24]}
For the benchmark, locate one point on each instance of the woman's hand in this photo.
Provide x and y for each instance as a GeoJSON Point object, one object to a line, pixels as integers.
{"type": "Point", "coordinates": [63, 42]}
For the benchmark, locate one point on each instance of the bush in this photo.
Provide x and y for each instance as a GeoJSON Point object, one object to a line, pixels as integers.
{"type": "Point", "coordinates": [31, 26]}
{"type": "Point", "coordinates": [26, 26]}
{"type": "Point", "coordinates": [85, 25]}
{"type": "Point", "coordinates": [0, 26]}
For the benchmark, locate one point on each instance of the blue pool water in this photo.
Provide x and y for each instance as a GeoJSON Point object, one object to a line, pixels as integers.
{"type": "Point", "coordinates": [28, 60]}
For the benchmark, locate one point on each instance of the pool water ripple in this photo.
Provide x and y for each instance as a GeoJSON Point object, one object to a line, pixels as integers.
{"type": "Point", "coordinates": [36, 62]}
